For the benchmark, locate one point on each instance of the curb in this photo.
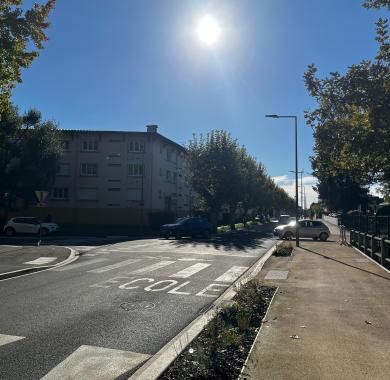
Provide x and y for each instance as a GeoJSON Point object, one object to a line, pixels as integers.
{"type": "Point", "coordinates": [160, 361]}
{"type": "Point", "coordinates": [27, 271]}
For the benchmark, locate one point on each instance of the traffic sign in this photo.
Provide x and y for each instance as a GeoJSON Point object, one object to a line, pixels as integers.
{"type": "Point", "coordinates": [41, 195]}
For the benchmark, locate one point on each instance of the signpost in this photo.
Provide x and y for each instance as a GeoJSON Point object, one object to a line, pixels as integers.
{"type": "Point", "coordinates": [41, 196]}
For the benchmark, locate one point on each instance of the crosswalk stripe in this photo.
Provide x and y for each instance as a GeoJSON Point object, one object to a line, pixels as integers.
{"type": "Point", "coordinates": [79, 265]}
{"type": "Point", "coordinates": [114, 266]}
{"type": "Point", "coordinates": [232, 274]}
{"type": "Point", "coordinates": [98, 363]}
{"type": "Point", "coordinates": [152, 267]}
{"type": "Point", "coordinates": [41, 260]}
{"type": "Point", "coordinates": [188, 272]}
{"type": "Point", "coordinates": [5, 339]}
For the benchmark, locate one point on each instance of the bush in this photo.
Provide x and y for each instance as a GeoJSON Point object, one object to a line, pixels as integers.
{"type": "Point", "coordinates": [284, 249]}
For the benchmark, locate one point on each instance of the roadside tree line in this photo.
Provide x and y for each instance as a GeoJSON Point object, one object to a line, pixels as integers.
{"type": "Point", "coordinates": [351, 126]}
{"type": "Point", "coordinates": [226, 177]}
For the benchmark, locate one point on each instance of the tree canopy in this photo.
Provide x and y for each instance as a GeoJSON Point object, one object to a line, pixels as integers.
{"type": "Point", "coordinates": [30, 150]}
{"type": "Point", "coordinates": [225, 175]}
{"type": "Point", "coordinates": [351, 126]}
{"type": "Point", "coordinates": [20, 32]}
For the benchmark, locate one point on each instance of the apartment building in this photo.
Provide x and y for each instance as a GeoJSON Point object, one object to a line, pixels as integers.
{"type": "Point", "coordinates": [116, 177]}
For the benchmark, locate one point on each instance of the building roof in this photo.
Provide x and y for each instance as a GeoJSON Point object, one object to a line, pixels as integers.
{"type": "Point", "coordinates": [161, 137]}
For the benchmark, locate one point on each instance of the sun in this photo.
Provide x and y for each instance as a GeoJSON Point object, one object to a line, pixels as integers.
{"type": "Point", "coordinates": [208, 30]}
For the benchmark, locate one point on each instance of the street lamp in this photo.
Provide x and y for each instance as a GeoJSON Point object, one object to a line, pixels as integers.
{"type": "Point", "coordinates": [274, 116]}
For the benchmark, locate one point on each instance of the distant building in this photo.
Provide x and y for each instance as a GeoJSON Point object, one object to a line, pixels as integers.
{"type": "Point", "coordinates": [115, 177]}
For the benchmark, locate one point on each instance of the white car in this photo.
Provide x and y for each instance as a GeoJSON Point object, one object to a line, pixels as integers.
{"type": "Point", "coordinates": [308, 228]}
{"type": "Point", "coordinates": [28, 225]}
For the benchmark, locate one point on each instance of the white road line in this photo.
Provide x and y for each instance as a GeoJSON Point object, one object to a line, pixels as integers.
{"type": "Point", "coordinates": [98, 363]}
{"type": "Point", "coordinates": [41, 260]}
{"type": "Point", "coordinates": [5, 339]}
{"type": "Point", "coordinates": [188, 272]}
{"type": "Point", "coordinates": [243, 255]}
{"type": "Point", "coordinates": [79, 265]}
{"type": "Point", "coordinates": [114, 266]}
{"type": "Point", "coordinates": [232, 274]}
{"type": "Point", "coordinates": [152, 267]}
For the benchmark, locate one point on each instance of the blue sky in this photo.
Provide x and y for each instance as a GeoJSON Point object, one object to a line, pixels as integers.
{"type": "Point", "coordinates": [119, 65]}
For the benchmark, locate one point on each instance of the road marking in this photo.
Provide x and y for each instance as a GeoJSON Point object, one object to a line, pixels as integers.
{"type": "Point", "coordinates": [98, 363]}
{"type": "Point", "coordinates": [114, 266]}
{"type": "Point", "coordinates": [188, 272]}
{"type": "Point", "coordinates": [5, 339]}
{"type": "Point", "coordinates": [151, 288]}
{"type": "Point", "coordinates": [152, 267]}
{"type": "Point", "coordinates": [79, 265]}
{"type": "Point", "coordinates": [211, 288]}
{"type": "Point", "coordinates": [41, 260]}
{"type": "Point", "coordinates": [175, 290]}
{"type": "Point", "coordinates": [232, 274]}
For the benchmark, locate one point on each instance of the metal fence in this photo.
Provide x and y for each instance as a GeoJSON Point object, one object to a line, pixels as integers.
{"type": "Point", "coordinates": [378, 226]}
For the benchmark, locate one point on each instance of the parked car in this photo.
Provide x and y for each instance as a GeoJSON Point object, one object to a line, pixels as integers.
{"type": "Point", "coordinates": [28, 225]}
{"type": "Point", "coordinates": [187, 227]}
{"type": "Point", "coordinates": [383, 210]}
{"type": "Point", "coordinates": [308, 228]}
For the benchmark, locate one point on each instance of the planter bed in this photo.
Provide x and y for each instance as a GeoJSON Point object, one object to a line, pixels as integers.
{"type": "Point", "coordinates": [220, 350]}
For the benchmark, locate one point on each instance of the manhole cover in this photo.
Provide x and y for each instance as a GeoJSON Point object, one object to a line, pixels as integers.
{"type": "Point", "coordinates": [140, 305]}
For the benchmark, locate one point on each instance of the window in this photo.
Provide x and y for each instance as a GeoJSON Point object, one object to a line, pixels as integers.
{"type": "Point", "coordinates": [66, 145]}
{"type": "Point", "coordinates": [60, 193]}
{"type": "Point", "coordinates": [159, 194]}
{"type": "Point", "coordinates": [160, 172]}
{"type": "Point", "coordinates": [87, 194]}
{"type": "Point", "coordinates": [114, 189]}
{"type": "Point", "coordinates": [161, 149]}
{"type": "Point", "coordinates": [136, 170]}
{"type": "Point", "coordinates": [136, 146]}
{"type": "Point", "coordinates": [174, 178]}
{"type": "Point", "coordinates": [114, 165]}
{"type": "Point", "coordinates": [64, 170]}
{"type": "Point", "coordinates": [112, 155]}
{"type": "Point", "coordinates": [169, 154]}
{"type": "Point", "coordinates": [89, 146]}
{"type": "Point", "coordinates": [168, 176]}
{"type": "Point", "coordinates": [89, 170]}
{"type": "Point", "coordinates": [114, 180]}
{"type": "Point", "coordinates": [134, 194]}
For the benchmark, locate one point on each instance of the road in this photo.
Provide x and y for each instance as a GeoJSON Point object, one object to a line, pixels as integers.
{"type": "Point", "coordinates": [107, 312]}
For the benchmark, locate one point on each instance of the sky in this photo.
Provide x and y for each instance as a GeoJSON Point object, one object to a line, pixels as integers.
{"type": "Point", "coordinates": [120, 65]}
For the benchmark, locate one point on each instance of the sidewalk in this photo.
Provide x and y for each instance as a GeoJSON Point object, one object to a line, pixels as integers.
{"type": "Point", "coordinates": [338, 303]}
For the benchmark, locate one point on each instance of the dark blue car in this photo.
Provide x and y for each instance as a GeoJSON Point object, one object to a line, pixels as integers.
{"type": "Point", "coordinates": [187, 227]}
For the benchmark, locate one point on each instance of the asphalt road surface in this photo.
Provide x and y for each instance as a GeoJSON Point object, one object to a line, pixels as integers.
{"type": "Point", "coordinates": [103, 315]}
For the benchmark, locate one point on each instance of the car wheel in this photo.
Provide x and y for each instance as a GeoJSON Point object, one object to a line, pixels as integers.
{"type": "Point", "coordinates": [288, 235]}
{"type": "Point", "coordinates": [177, 235]}
{"type": "Point", "coordinates": [44, 232]}
{"type": "Point", "coordinates": [9, 231]}
{"type": "Point", "coordinates": [323, 236]}
{"type": "Point", "coordinates": [315, 238]}
{"type": "Point", "coordinates": [167, 236]}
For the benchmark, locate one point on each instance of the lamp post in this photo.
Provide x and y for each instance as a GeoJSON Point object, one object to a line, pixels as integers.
{"type": "Point", "coordinates": [296, 171]}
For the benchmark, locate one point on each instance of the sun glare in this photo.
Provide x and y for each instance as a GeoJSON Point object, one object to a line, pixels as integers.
{"type": "Point", "coordinates": [208, 30]}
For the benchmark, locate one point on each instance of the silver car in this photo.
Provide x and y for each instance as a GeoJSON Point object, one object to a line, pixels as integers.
{"type": "Point", "coordinates": [308, 228]}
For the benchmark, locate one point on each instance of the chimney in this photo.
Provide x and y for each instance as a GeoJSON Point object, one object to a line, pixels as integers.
{"type": "Point", "coordinates": [152, 128]}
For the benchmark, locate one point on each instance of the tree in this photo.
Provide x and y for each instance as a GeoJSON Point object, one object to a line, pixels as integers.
{"type": "Point", "coordinates": [30, 150]}
{"type": "Point", "coordinates": [225, 175]}
{"type": "Point", "coordinates": [351, 123]}
{"type": "Point", "coordinates": [19, 31]}
{"type": "Point", "coordinates": [377, 4]}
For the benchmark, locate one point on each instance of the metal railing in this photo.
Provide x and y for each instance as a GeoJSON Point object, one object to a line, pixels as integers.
{"type": "Point", "coordinates": [374, 246]}
{"type": "Point", "coordinates": [378, 226]}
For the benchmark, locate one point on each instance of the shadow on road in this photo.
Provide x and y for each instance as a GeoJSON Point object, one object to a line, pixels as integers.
{"type": "Point", "coordinates": [230, 241]}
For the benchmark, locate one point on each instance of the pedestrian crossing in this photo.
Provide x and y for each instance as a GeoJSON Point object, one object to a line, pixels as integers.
{"type": "Point", "coordinates": [179, 268]}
